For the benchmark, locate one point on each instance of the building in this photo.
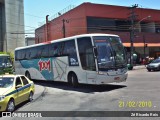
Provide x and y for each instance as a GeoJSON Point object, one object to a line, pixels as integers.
{"type": "Point", "coordinates": [29, 41]}
{"type": "Point", "coordinates": [11, 21]}
{"type": "Point", "coordinates": [99, 18]}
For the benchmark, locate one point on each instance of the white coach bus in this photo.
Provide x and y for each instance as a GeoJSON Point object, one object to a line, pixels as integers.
{"type": "Point", "coordinates": [88, 58]}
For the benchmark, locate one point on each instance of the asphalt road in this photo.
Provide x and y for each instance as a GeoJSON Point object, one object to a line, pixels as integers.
{"type": "Point", "coordinates": [139, 93]}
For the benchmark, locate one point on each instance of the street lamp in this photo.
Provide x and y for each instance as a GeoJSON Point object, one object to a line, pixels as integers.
{"type": "Point", "coordinates": [144, 18]}
{"type": "Point", "coordinates": [139, 22]}
{"type": "Point", "coordinates": [132, 39]}
{"type": "Point", "coordinates": [145, 45]}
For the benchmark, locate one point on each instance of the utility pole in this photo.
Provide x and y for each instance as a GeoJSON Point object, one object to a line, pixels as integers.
{"type": "Point", "coordinates": [132, 18]}
{"type": "Point", "coordinates": [47, 28]}
{"type": "Point", "coordinates": [144, 49]}
{"type": "Point", "coordinates": [64, 27]}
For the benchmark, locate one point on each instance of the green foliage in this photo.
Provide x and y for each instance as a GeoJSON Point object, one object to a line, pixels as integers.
{"type": "Point", "coordinates": [11, 54]}
{"type": "Point", "coordinates": [3, 53]}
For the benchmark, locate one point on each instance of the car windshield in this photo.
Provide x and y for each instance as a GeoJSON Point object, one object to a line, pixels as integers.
{"type": "Point", "coordinates": [156, 61]}
{"type": "Point", "coordinates": [6, 82]}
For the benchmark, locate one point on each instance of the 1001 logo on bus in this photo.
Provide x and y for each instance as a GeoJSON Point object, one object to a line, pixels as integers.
{"type": "Point", "coordinates": [44, 65]}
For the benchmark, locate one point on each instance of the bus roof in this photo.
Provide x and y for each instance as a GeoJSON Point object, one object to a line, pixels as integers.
{"type": "Point", "coordinates": [83, 35]}
{"type": "Point", "coordinates": [67, 38]}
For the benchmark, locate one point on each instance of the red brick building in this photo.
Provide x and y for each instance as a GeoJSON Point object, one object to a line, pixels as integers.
{"type": "Point", "coordinates": [99, 18]}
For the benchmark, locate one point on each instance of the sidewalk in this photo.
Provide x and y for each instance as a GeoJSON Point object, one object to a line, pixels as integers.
{"type": "Point", "coordinates": [136, 67]}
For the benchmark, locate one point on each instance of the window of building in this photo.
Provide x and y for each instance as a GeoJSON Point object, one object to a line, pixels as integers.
{"type": "Point", "coordinates": [157, 27]}
{"type": "Point", "coordinates": [105, 24]}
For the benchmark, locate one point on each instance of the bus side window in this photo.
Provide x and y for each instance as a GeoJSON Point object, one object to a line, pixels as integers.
{"type": "Point", "coordinates": [33, 53]}
{"type": "Point", "coordinates": [44, 51]}
{"type": "Point", "coordinates": [50, 50]}
{"type": "Point", "coordinates": [28, 53]}
{"type": "Point", "coordinates": [39, 52]}
{"type": "Point", "coordinates": [55, 50]}
{"type": "Point", "coordinates": [69, 48]}
{"type": "Point", "coordinates": [58, 49]}
{"type": "Point", "coordinates": [20, 55]}
{"type": "Point", "coordinates": [61, 47]}
{"type": "Point", "coordinates": [16, 55]}
{"type": "Point", "coordinates": [70, 51]}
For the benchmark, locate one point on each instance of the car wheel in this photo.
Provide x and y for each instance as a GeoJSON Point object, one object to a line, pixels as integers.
{"type": "Point", "coordinates": [149, 70]}
{"type": "Point", "coordinates": [30, 98]}
{"type": "Point", "coordinates": [72, 79]}
{"type": "Point", "coordinates": [10, 106]}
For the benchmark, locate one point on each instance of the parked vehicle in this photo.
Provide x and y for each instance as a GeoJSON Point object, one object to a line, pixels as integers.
{"type": "Point", "coordinates": [154, 65]}
{"type": "Point", "coordinates": [6, 65]}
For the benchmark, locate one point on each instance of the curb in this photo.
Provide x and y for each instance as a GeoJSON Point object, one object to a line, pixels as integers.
{"type": "Point", "coordinates": [139, 67]}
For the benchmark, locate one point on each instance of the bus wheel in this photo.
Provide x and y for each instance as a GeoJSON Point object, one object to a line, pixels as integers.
{"type": "Point", "coordinates": [72, 79]}
{"type": "Point", "coordinates": [28, 75]}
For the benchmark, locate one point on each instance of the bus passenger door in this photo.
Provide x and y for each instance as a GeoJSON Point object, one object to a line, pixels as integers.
{"type": "Point", "coordinates": [87, 58]}
{"type": "Point", "coordinates": [90, 67]}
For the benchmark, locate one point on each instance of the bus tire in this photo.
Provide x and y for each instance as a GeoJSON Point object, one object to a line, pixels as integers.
{"type": "Point", "coordinates": [28, 75]}
{"type": "Point", "coordinates": [73, 80]}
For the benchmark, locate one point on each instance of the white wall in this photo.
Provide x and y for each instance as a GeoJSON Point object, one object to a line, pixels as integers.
{"type": "Point", "coordinates": [14, 10]}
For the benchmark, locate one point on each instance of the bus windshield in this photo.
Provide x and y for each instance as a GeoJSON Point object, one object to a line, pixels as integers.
{"type": "Point", "coordinates": [111, 53]}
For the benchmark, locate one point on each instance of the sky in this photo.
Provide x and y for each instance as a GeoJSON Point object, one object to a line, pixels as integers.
{"type": "Point", "coordinates": [35, 11]}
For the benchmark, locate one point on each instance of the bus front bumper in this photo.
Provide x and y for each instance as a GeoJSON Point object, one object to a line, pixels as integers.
{"type": "Point", "coordinates": [104, 79]}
